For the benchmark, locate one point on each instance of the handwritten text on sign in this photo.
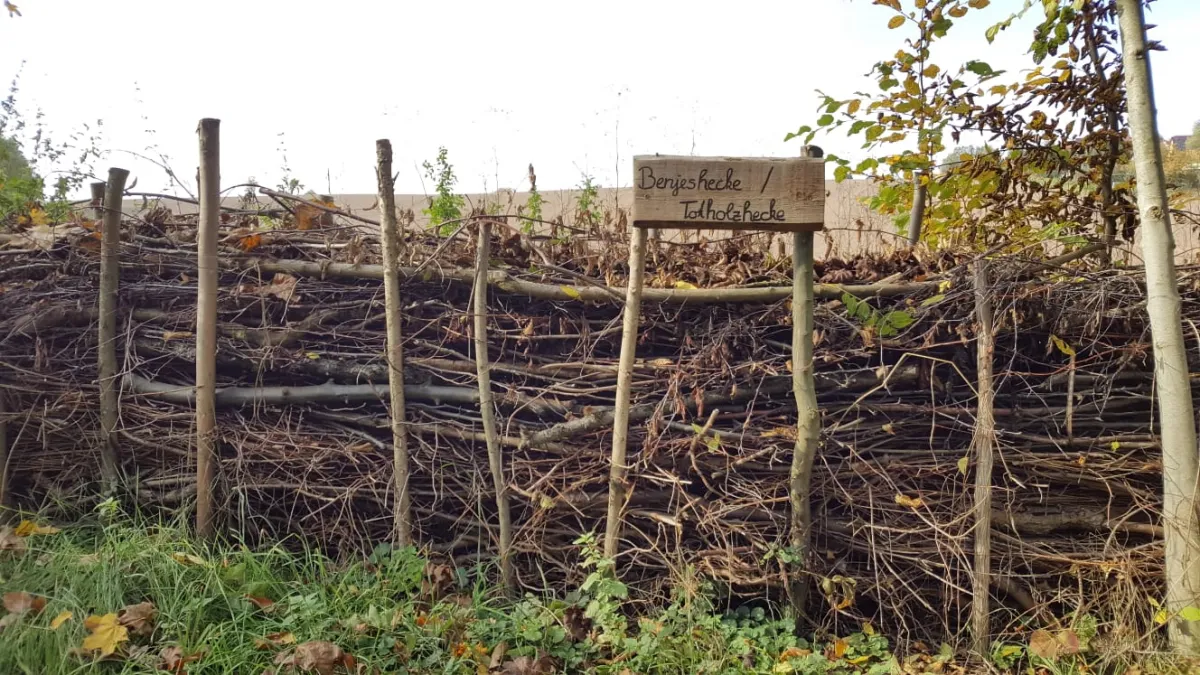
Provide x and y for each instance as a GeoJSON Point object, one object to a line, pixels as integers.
{"type": "Point", "coordinates": [729, 193]}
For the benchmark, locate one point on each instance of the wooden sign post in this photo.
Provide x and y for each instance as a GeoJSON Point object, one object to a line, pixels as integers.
{"type": "Point", "coordinates": [727, 193]}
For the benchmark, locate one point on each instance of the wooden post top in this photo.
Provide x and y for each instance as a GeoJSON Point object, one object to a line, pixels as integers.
{"type": "Point", "coordinates": [729, 193]}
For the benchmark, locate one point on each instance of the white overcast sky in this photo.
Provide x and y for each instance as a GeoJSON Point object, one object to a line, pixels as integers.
{"type": "Point", "coordinates": [567, 85]}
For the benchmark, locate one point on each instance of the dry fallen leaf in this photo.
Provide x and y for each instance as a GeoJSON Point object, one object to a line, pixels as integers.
{"type": "Point", "coordinates": [9, 541]}
{"type": "Point", "coordinates": [910, 502]}
{"type": "Point", "coordinates": [525, 665]}
{"type": "Point", "coordinates": [20, 602]}
{"type": "Point", "coordinates": [107, 634]}
{"type": "Point", "coordinates": [187, 559]}
{"type": "Point", "coordinates": [61, 619]}
{"type": "Point", "coordinates": [317, 656]}
{"type": "Point", "coordinates": [174, 661]}
{"type": "Point", "coordinates": [139, 618]}
{"type": "Point", "coordinates": [28, 528]}
{"type": "Point", "coordinates": [275, 640]}
{"type": "Point", "coordinates": [260, 602]}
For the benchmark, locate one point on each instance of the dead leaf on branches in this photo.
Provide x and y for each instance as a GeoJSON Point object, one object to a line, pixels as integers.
{"type": "Point", "coordinates": [438, 579]}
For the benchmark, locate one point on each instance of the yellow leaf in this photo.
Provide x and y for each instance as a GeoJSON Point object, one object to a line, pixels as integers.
{"type": "Point", "coordinates": [1062, 346]}
{"type": "Point", "coordinates": [1115, 446]}
{"type": "Point", "coordinates": [998, 90]}
{"type": "Point", "coordinates": [29, 528]}
{"type": "Point", "coordinates": [853, 107]}
{"type": "Point", "coordinates": [839, 648]}
{"type": "Point", "coordinates": [175, 335]}
{"type": "Point", "coordinates": [858, 660]}
{"type": "Point", "coordinates": [571, 292]}
{"type": "Point", "coordinates": [931, 70]}
{"type": "Point", "coordinates": [59, 620]}
{"type": "Point", "coordinates": [187, 559]}
{"type": "Point", "coordinates": [12, 9]}
{"type": "Point", "coordinates": [888, 428]}
{"type": "Point", "coordinates": [896, 22]}
{"type": "Point", "coordinates": [1160, 617]}
{"type": "Point", "coordinates": [910, 502]}
{"type": "Point", "coordinates": [979, 4]}
{"type": "Point", "coordinates": [312, 356]}
{"type": "Point", "coordinates": [38, 217]}
{"type": "Point", "coordinates": [944, 286]}
{"type": "Point", "coordinates": [868, 629]}
{"type": "Point", "coordinates": [958, 12]}
{"type": "Point", "coordinates": [685, 286]}
{"type": "Point", "coordinates": [107, 634]}
{"type": "Point", "coordinates": [962, 465]}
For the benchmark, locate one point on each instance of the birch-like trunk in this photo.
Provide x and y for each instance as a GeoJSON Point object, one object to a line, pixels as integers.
{"type": "Point", "coordinates": [1176, 417]}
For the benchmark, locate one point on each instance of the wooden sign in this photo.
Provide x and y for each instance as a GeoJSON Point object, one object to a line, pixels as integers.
{"type": "Point", "coordinates": [729, 193]}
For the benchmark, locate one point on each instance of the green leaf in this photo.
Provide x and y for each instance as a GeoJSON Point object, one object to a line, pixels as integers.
{"type": "Point", "coordinates": [899, 319]}
{"type": "Point", "coordinates": [980, 68]}
{"type": "Point", "coordinates": [799, 132]}
{"type": "Point", "coordinates": [840, 173]}
{"type": "Point", "coordinates": [1190, 613]}
{"type": "Point", "coordinates": [933, 300]}
{"type": "Point", "coordinates": [859, 126]}
{"type": "Point", "coordinates": [825, 120]}
{"type": "Point", "coordinates": [867, 165]}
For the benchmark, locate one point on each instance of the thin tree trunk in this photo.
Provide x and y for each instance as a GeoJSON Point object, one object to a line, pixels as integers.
{"type": "Point", "coordinates": [402, 513]}
{"type": "Point", "coordinates": [808, 423]}
{"type": "Point", "coordinates": [985, 433]}
{"type": "Point", "coordinates": [917, 216]}
{"type": "Point", "coordinates": [206, 322]}
{"type": "Point", "coordinates": [629, 336]}
{"type": "Point", "coordinates": [1176, 415]}
{"type": "Point", "coordinates": [487, 408]}
{"type": "Point", "coordinates": [110, 279]}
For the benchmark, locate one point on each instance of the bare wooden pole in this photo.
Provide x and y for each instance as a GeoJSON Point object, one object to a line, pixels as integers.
{"type": "Point", "coordinates": [808, 422]}
{"type": "Point", "coordinates": [206, 322]}
{"type": "Point", "coordinates": [984, 442]}
{"type": "Point", "coordinates": [629, 335]}
{"type": "Point", "coordinates": [487, 407]}
{"type": "Point", "coordinates": [390, 232]}
{"type": "Point", "coordinates": [110, 276]}
{"type": "Point", "coordinates": [97, 202]}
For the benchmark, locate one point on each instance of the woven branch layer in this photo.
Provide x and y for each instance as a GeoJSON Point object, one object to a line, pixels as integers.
{"type": "Point", "coordinates": [305, 441]}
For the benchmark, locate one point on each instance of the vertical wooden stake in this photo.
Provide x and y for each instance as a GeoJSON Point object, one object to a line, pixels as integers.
{"type": "Point", "coordinates": [97, 202]}
{"type": "Point", "coordinates": [808, 422]}
{"type": "Point", "coordinates": [985, 433]}
{"type": "Point", "coordinates": [110, 276]}
{"type": "Point", "coordinates": [206, 322]}
{"type": "Point", "coordinates": [486, 406]}
{"type": "Point", "coordinates": [401, 514]}
{"type": "Point", "coordinates": [629, 336]}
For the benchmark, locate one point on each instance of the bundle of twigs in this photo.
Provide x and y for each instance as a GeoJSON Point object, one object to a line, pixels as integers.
{"type": "Point", "coordinates": [305, 439]}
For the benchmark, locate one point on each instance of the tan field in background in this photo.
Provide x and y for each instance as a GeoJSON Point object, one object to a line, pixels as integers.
{"type": "Point", "coordinates": [850, 227]}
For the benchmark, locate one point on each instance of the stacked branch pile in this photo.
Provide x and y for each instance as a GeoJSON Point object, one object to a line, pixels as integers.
{"type": "Point", "coordinates": [305, 441]}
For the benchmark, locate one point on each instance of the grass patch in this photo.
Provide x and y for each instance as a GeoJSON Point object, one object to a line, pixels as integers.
{"type": "Point", "coordinates": [160, 602]}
